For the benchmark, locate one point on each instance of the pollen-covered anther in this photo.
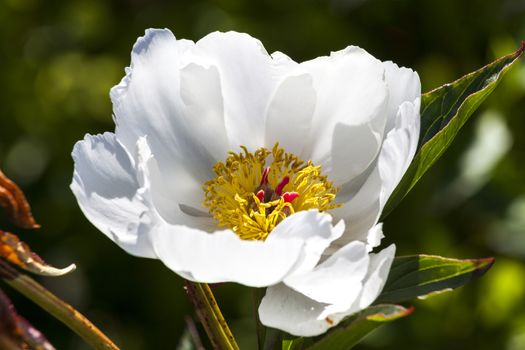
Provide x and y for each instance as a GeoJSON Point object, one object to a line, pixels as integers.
{"type": "Point", "coordinates": [251, 197]}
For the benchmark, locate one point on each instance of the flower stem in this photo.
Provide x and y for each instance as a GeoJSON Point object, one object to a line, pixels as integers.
{"type": "Point", "coordinates": [56, 307]}
{"type": "Point", "coordinates": [258, 294]}
{"type": "Point", "coordinates": [210, 316]}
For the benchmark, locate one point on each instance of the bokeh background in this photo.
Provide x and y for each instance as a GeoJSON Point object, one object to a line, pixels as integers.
{"type": "Point", "coordinates": [58, 60]}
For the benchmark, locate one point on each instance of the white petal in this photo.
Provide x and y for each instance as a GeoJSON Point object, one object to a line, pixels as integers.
{"type": "Point", "coordinates": [247, 79]}
{"type": "Point", "coordinates": [354, 148]}
{"type": "Point", "coordinates": [398, 148]}
{"type": "Point", "coordinates": [364, 207]}
{"type": "Point", "coordinates": [403, 85]}
{"type": "Point", "coordinates": [166, 199]}
{"type": "Point", "coordinates": [290, 311]}
{"type": "Point", "coordinates": [169, 101]}
{"type": "Point", "coordinates": [378, 271]}
{"type": "Point", "coordinates": [374, 237]}
{"type": "Point", "coordinates": [350, 90]}
{"type": "Point", "coordinates": [378, 268]}
{"type": "Point", "coordinates": [337, 280]}
{"type": "Point", "coordinates": [361, 211]}
{"type": "Point", "coordinates": [289, 116]}
{"type": "Point", "coordinates": [222, 256]}
{"type": "Point", "coordinates": [286, 309]}
{"type": "Point", "coordinates": [317, 231]}
{"type": "Point", "coordinates": [107, 188]}
{"type": "Point", "coordinates": [202, 96]}
{"type": "Point", "coordinates": [282, 63]}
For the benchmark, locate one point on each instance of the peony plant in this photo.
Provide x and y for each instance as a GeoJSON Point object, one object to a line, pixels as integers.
{"type": "Point", "coordinates": [230, 164]}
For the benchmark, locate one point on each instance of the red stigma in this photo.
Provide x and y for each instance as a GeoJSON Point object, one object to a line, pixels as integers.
{"type": "Point", "coordinates": [289, 197]}
{"type": "Point", "coordinates": [280, 186]}
{"type": "Point", "coordinates": [260, 195]}
{"type": "Point", "coordinates": [264, 177]}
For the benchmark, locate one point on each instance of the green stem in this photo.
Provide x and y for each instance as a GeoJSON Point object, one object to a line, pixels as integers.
{"type": "Point", "coordinates": [258, 294]}
{"type": "Point", "coordinates": [210, 316]}
{"type": "Point", "coordinates": [56, 307]}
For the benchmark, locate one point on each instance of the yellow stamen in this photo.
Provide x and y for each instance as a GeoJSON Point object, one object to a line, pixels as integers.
{"type": "Point", "coordinates": [231, 197]}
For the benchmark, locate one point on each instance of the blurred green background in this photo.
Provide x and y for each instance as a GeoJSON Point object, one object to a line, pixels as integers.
{"type": "Point", "coordinates": [59, 59]}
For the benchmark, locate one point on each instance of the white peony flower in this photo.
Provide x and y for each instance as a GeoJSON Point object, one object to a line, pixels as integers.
{"type": "Point", "coordinates": [232, 165]}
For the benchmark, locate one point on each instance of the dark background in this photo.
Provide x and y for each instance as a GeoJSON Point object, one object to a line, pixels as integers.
{"type": "Point", "coordinates": [58, 60]}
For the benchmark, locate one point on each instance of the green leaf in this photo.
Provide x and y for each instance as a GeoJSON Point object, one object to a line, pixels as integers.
{"type": "Point", "coordinates": [351, 331]}
{"type": "Point", "coordinates": [443, 112]}
{"type": "Point", "coordinates": [423, 275]}
{"type": "Point", "coordinates": [292, 344]}
{"type": "Point", "coordinates": [410, 277]}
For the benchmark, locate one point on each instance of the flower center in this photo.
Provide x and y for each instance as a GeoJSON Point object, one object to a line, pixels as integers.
{"type": "Point", "coordinates": [251, 197]}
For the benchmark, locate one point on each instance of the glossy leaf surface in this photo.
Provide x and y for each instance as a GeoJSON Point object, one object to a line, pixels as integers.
{"type": "Point", "coordinates": [443, 112]}
{"type": "Point", "coordinates": [423, 275]}
{"type": "Point", "coordinates": [352, 330]}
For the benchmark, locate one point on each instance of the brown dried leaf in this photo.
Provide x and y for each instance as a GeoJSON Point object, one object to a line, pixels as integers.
{"type": "Point", "coordinates": [17, 252]}
{"type": "Point", "coordinates": [13, 200]}
{"type": "Point", "coordinates": [16, 332]}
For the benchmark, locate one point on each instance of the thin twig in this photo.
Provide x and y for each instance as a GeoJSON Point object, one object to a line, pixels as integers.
{"type": "Point", "coordinates": [56, 307]}
{"type": "Point", "coordinates": [218, 314]}
{"type": "Point", "coordinates": [210, 316]}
